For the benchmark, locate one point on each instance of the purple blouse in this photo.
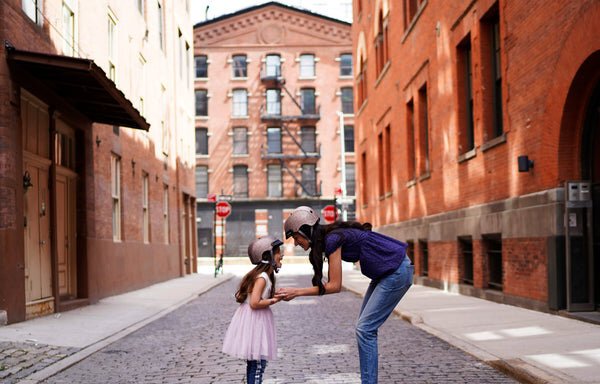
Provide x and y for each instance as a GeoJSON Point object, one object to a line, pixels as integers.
{"type": "Point", "coordinates": [378, 254]}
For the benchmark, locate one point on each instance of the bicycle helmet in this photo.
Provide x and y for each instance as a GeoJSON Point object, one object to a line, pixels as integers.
{"type": "Point", "coordinates": [301, 216]}
{"type": "Point", "coordinates": [261, 246]}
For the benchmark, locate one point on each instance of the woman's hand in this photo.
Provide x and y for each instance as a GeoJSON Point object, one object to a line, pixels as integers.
{"type": "Point", "coordinates": [286, 294]}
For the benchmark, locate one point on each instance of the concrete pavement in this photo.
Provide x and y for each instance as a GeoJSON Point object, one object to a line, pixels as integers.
{"type": "Point", "coordinates": [532, 346]}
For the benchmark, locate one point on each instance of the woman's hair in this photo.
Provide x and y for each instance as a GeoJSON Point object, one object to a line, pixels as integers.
{"type": "Point", "coordinates": [318, 246]}
{"type": "Point", "coordinates": [247, 283]}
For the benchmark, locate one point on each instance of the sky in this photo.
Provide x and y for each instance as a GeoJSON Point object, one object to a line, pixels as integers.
{"type": "Point", "coordinates": [338, 9]}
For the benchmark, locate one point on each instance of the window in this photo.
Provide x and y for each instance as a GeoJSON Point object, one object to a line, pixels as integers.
{"type": "Point", "coordinates": [423, 131]}
{"type": "Point", "coordinates": [466, 252]}
{"type": "Point", "coordinates": [350, 179]}
{"type": "Point", "coordinates": [349, 138]}
{"type": "Point", "coordinates": [64, 150]}
{"type": "Point", "coordinates": [240, 141]}
{"type": "Point", "coordinates": [201, 141]}
{"type": "Point", "coordinates": [424, 257]}
{"type": "Point", "coordinates": [68, 30]}
{"type": "Point", "coordinates": [381, 44]}
{"type": "Point", "coordinates": [411, 9]}
{"type": "Point", "coordinates": [307, 65]}
{"type": "Point", "coordinates": [240, 66]}
{"type": "Point", "coordinates": [115, 177]}
{"type": "Point", "coordinates": [274, 182]}
{"type": "Point", "coordinates": [33, 9]}
{"type": "Point", "coordinates": [410, 140]}
{"type": "Point", "coordinates": [346, 64]}
{"type": "Point", "coordinates": [347, 101]}
{"type": "Point", "coordinates": [363, 178]}
{"type": "Point", "coordinates": [201, 102]}
{"type": "Point", "coordinates": [145, 213]}
{"type": "Point", "coordinates": [201, 63]}
{"type": "Point", "coordinates": [309, 179]}
{"type": "Point", "coordinates": [308, 139]}
{"type": "Point", "coordinates": [380, 164]}
{"type": "Point", "coordinates": [273, 102]}
{"type": "Point", "coordinates": [307, 100]}
{"type": "Point", "coordinates": [160, 27]}
{"type": "Point", "coordinates": [274, 140]}
{"type": "Point", "coordinates": [362, 82]}
{"type": "Point", "coordinates": [112, 48]}
{"type": "Point", "coordinates": [387, 160]}
{"type": "Point", "coordinates": [166, 213]}
{"type": "Point", "coordinates": [240, 103]}
{"type": "Point", "coordinates": [273, 66]}
{"type": "Point", "coordinates": [465, 94]}
{"type": "Point", "coordinates": [492, 74]}
{"type": "Point", "coordinates": [240, 181]}
{"type": "Point", "coordinates": [201, 180]}
{"type": "Point", "coordinates": [493, 252]}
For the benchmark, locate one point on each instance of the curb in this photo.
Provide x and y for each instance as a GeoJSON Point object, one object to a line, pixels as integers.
{"type": "Point", "coordinates": [78, 356]}
{"type": "Point", "coordinates": [517, 369]}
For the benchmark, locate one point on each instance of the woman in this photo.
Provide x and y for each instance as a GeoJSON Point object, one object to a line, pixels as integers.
{"type": "Point", "coordinates": [382, 259]}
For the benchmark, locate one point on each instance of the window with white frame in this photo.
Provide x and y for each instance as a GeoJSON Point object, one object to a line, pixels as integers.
{"type": "Point", "coordinates": [112, 48]}
{"type": "Point", "coordinates": [346, 64]}
{"type": "Point", "coordinates": [307, 65]}
{"type": "Point", "coordinates": [274, 140]}
{"type": "Point", "coordinates": [347, 101]}
{"type": "Point", "coordinates": [33, 9]}
{"type": "Point", "coordinates": [350, 179]}
{"type": "Point", "coordinates": [115, 177]}
{"type": "Point", "coordinates": [68, 30]}
{"type": "Point", "coordinates": [240, 103]}
{"type": "Point", "coordinates": [274, 181]}
{"type": "Point", "coordinates": [273, 102]}
{"type": "Point", "coordinates": [201, 141]}
{"type": "Point", "coordinates": [240, 66]}
{"type": "Point", "coordinates": [309, 179]}
{"type": "Point", "coordinates": [201, 62]}
{"type": "Point", "coordinates": [145, 209]}
{"type": "Point", "coordinates": [201, 102]}
{"type": "Point", "coordinates": [308, 139]}
{"type": "Point", "coordinates": [240, 181]}
{"type": "Point", "coordinates": [240, 141]}
{"type": "Point", "coordinates": [201, 180]}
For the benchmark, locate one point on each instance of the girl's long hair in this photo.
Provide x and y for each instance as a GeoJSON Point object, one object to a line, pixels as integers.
{"type": "Point", "coordinates": [318, 246]}
{"type": "Point", "coordinates": [247, 283]}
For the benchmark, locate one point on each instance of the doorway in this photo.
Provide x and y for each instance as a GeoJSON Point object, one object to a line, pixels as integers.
{"type": "Point", "coordinates": [591, 171]}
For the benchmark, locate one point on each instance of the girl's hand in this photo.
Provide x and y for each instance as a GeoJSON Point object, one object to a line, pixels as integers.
{"type": "Point", "coordinates": [286, 294]}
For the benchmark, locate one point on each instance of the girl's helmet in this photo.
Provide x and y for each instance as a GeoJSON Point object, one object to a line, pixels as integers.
{"type": "Point", "coordinates": [302, 215]}
{"type": "Point", "coordinates": [258, 247]}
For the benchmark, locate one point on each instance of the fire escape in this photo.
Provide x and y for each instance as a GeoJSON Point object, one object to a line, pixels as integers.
{"type": "Point", "coordinates": [292, 151]}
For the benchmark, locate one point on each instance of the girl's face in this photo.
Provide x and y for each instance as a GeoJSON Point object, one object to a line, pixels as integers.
{"type": "Point", "coordinates": [301, 241]}
{"type": "Point", "coordinates": [278, 257]}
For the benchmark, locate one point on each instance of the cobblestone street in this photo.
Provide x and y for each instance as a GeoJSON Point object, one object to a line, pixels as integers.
{"type": "Point", "coordinates": [316, 345]}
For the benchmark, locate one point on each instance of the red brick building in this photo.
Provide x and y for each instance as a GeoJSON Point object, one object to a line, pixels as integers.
{"type": "Point", "coordinates": [96, 169]}
{"type": "Point", "coordinates": [273, 97]}
{"type": "Point", "coordinates": [470, 118]}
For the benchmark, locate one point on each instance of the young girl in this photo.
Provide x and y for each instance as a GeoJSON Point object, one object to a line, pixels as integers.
{"type": "Point", "coordinates": [251, 333]}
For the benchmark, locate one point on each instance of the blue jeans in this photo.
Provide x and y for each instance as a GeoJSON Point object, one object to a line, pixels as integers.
{"type": "Point", "coordinates": [380, 300]}
{"type": "Point", "coordinates": [255, 370]}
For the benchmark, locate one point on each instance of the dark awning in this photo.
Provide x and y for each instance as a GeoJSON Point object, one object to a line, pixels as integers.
{"type": "Point", "coordinates": [82, 84]}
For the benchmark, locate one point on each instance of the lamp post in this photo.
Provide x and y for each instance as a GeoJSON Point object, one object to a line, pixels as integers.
{"type": "Point", "coordinates": [343, 165]}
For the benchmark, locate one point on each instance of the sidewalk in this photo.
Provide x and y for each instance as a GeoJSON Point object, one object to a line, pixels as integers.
{"type": "Point", "coordinates": [533, 347]}
{"type": "Point", "coordinates": [36, 349]}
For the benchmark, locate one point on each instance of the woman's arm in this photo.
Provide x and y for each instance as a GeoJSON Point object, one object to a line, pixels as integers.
{"type": "Point", "coordinates": [256, 302]}
{"type": "Point", "coordinates": [333, 285]}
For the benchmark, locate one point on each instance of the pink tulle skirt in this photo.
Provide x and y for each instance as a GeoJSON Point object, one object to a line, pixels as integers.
{"type": "Point", "coordinates": [251, 334]}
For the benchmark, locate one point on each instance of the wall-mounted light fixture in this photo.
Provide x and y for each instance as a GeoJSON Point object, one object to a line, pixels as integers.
{"type": "Point", "coordinates": [27, 181]}
{"type": "Point", "coordinates": [98, 141]}
{"type": "Point", "coordinates": [524, 163]}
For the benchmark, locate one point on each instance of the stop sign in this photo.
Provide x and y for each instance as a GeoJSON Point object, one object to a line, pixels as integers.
{"type": "Point", "coordinates": [329, 213]}
{"type": "Point", "coordinates": [223, 209]}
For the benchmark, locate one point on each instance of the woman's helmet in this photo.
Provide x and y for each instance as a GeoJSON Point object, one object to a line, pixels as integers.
{"type": "Point", "coordinates": [302, 215]}
{"type": "Point", "coordinates": [258, 247]}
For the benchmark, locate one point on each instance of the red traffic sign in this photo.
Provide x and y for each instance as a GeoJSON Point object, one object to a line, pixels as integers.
{"type": "Point", "coordinates": [329, 213]}
{"type": "Point", "coordinates": [223, 209]}
{"type": "Point", "coordinates": [338, 191]}
{"type": "Point", "coordinates": [211, 197]}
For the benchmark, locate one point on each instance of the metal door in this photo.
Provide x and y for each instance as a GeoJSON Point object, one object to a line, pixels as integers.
{"type": "Point", "coordinates": [240, 231]}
